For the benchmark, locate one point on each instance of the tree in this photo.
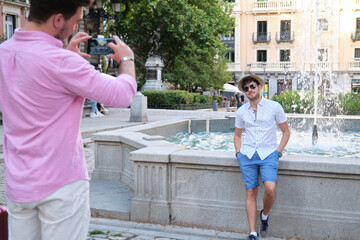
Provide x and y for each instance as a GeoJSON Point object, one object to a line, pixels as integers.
{"type": "Point", "coordinates": [190, 31]}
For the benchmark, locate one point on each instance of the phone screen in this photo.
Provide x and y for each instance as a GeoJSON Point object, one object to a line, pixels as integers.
{"type": "Point", "coordinates": [98, 46]}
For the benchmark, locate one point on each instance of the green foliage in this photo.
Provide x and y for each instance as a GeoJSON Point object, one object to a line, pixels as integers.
{"type": "Point", "coordinates": [289, 100]}
{"type": "Point", "coordinates": [2, 38]}
{"type": "Point", "coordinates": [104, 64]}
{"type": "Point", "coordinates": [202, 99]}
{"type": "Point", "coordinates": [176, 97]}
{"type": "Point", "coordinates": [349, 104]}
{"type": "Point", "coordinates": [190, 33]}
{"type": "Point", "coordinates": [294, 101]}
{"type": "Point", "coordinates": [117, 235]}
{"type": "Point", "coordinates": [96, 232]}
{"type": "Point", "coordinates": [303, 102]}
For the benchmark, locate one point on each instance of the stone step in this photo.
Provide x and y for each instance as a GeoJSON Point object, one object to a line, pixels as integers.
{"type": "Point", "coordinates": [110, 199]}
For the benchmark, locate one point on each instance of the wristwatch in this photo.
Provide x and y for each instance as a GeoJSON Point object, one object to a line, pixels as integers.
{"type": "Point", "coordinates": [126, 59]}
{"type": "Point", "coordinates": [280, 154]}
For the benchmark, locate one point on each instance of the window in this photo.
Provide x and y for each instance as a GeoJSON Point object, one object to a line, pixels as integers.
{"type": "Point", "coordinates": [323, 24]}
{"type": "Point", "coordinates": [285, 55]}
{"type": "Point", "coordinates": [357, 30]}
{"type": "Point", "coordinates": [10, 26]}
{"type": "Point", "coordinates": [261, 30]}
{"type": "Point", "coordinates": [357, 53]}
{"type": "Point", "coordinates": [261, 55]}
{"type": "Point", "coordinates": [231, 55]}
{"type": "Point", "coordinates": [323, 55]}
{"type": "Point", "coordinates": [285, 30]}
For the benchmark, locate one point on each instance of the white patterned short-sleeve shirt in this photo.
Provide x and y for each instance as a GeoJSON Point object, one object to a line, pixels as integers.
{"type": "Point", "coordinates": [260, 132]}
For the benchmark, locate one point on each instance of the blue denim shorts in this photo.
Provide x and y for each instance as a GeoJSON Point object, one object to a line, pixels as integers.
{"type": "Point", "coordinates": [250, 168]}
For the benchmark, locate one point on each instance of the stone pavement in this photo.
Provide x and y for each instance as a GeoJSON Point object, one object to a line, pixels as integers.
{"type": "Point", "coordinates": [113, 200]}
{"type": "Point", "coordinates": [117, 229]}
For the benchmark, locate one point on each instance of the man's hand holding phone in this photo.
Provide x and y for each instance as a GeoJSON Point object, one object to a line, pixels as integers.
{"type": "Point", "coordinates": [120, 49]}
{"type": "Point", "coordinates": [123, 55]}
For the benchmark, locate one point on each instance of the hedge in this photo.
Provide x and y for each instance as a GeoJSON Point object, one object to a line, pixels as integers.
{"type": "Point", "coordinates": [176, 97]}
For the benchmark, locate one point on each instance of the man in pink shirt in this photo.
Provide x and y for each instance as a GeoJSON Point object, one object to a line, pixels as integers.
{"type": "Point", "coordinates": [42, 92]}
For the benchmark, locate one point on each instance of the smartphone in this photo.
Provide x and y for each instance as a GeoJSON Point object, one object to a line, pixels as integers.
{"type": "Point", "coordinates": [98, 46]}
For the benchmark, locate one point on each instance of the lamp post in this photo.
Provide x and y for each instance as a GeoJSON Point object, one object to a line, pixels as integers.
{"type": "Point", "coordinates": [99, 9]}
{"type": "Point", "coordinates": [285, 71]}
{"type": "Point", "coordinates": [264, 67]}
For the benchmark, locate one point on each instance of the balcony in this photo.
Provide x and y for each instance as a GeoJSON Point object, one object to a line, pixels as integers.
{"type": "Point", "coordinates": [284, 37]}
{"type": "Point", "coordinates": [261, 37]}
{"type": "Point", "coordinates": [275, 6]}
{"type": "Point", "coordinates": [322, 66]}
{"type": "Point", "coordinates": [272, 66]}
{"type": "Point", "coordinates": [355, 36]}
{"type": "Point", "coordinates": [354, 66]}
{"type": "Point", "coordinates": [228, 40]}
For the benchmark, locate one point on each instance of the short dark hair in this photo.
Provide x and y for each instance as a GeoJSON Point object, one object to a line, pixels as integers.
{"type": "Point", "coordinates": [42, 10]}
{"type": "Point", "coordinates": [249, 80]}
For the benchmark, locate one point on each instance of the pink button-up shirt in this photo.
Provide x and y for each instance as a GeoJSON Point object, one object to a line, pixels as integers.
{"type": "Point", "coordinates": [42, 91]}
{"type": "Point", "coordinates": [260, 132]}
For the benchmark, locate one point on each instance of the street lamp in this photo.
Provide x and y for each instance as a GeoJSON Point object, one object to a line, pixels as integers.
{"type": "Point", "coordinates": [285, 71]}
{"type": "Point", "coordinates": [116, 4]}
{"type": "Point", "coordinates": [99, 11]}
{"type": "Point", "coordinates": [264, 67]}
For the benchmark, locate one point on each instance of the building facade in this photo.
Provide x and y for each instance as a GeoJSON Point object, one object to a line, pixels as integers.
{"type": "Point", "coordinates": [13, 15]}
{"type": "Point", "coordinates": [297, 44]}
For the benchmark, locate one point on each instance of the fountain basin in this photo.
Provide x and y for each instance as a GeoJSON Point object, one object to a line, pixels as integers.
{"type": "Point", "coordinates": [317, 197]}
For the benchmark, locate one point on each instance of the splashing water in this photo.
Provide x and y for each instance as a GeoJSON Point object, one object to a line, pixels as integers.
{"type": "Point", "coordinates": [347, 144]}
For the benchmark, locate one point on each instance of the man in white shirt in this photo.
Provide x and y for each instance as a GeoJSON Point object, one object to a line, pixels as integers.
{"type": "Point", "coordinates": [259, 150]}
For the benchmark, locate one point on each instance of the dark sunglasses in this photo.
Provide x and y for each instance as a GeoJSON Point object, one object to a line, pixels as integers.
{"type": "Point", "coordinates": [252, 86]}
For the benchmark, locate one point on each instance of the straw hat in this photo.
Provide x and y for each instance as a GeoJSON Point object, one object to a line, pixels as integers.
{"type": "Point", "coordinates": [261, 82]}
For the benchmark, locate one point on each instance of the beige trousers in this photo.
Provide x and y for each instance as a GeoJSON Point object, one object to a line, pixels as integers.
{"type": "Point", "coordinates": [65, 214]}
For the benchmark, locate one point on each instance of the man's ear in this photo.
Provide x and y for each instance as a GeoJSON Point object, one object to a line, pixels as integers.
{"type": "Point", "coordinates": [58, 21]}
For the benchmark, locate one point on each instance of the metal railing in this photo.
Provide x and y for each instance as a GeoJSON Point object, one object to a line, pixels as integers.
{"type": "Point", "coordinates": [183, 106]}
{"type": "Point", "coordinates": [261, 37]}
{"type": "Point", "coordinates": [284, 37]}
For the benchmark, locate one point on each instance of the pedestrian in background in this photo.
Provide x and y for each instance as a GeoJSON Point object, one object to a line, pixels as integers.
{"type": "Point", "coordinates": [42, 92]}
{"type": "Point", "coordinates": [259, 152]}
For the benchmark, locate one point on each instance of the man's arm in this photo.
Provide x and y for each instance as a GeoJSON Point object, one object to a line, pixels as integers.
{"type": "Point", "coordinates": [285, 137]}
{"type": "Point", "coordinates": [237, 139]}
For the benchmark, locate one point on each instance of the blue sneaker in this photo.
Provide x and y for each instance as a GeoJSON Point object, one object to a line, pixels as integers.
{"type": "Point", "coordinates": [252, 237]}
{"type": "Point", "coordinates": [264, 226]}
